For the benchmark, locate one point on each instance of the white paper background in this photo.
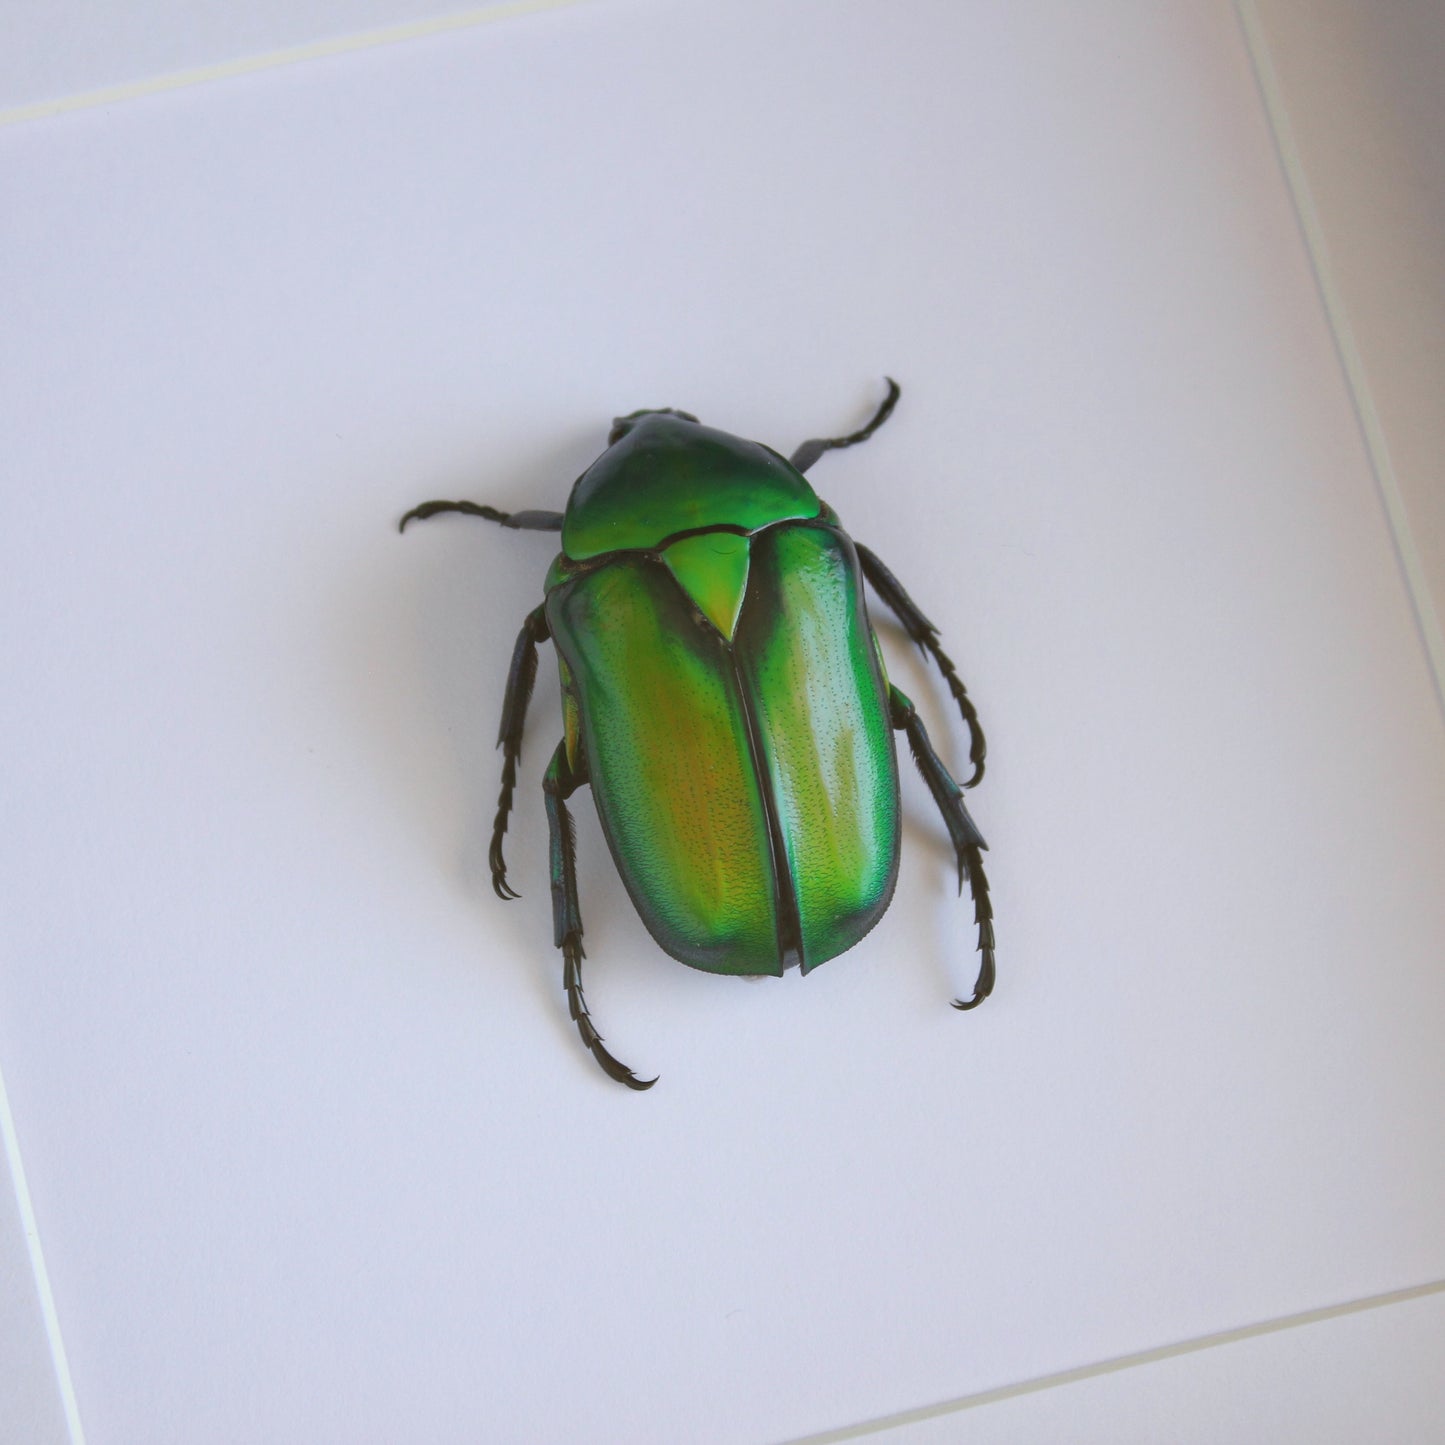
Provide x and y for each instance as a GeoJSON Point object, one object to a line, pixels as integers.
{"type": "Point", "coordinates": [317, 1153]}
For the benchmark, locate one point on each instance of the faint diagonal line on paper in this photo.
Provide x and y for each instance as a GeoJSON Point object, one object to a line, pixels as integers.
{"type": "Point", "coordinates": [273, 59]}
{"type": "Point", "coordinates": [1114, 1366]}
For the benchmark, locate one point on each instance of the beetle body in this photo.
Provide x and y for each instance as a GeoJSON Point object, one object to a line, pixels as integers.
{"type": "Point", "coordinates": [724, 694]}
{"type": "Point", "coordinates": [728, 698]}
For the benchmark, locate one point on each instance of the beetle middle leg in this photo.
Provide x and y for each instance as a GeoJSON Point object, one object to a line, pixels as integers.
{"type": "Point", "coordinates": [560, 782]}
{"type": "Point", "coordinates": [968, 843]}
{"type": "Point", "coordinates": [925, 634]}
{"type": "Point", "coordinates": [520, 679]}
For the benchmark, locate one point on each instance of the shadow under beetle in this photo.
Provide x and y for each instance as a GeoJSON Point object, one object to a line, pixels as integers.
{"type": "Point", "coordinates": [724, 693]}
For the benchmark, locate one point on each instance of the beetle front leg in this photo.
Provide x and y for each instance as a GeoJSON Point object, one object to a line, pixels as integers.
{"type": "Point", "coordinates": [968, 842]}
{"type": "Point", "coordinates": [560, 782]}
{"type": "Point", "coordinates": [925, 634]}
{"type": "Point", "coordinates": [810, 451]}
{"type": "Point", "coordinates": [518, 521]}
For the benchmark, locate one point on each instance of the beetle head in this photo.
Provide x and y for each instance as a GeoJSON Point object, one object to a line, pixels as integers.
{"type": "Point", "coordinates": [623, 424]}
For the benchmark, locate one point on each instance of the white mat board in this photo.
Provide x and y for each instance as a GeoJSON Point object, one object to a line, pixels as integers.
{"type": "Point", "coordinates": [316, 1150]}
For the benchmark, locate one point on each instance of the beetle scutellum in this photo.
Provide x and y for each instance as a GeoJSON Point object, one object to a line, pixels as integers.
{"type": "Point", "coordinates": [724, 693]}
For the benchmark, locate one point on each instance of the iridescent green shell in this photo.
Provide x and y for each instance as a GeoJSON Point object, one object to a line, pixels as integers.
{"type": "Point", "coordinates": [737, 738]}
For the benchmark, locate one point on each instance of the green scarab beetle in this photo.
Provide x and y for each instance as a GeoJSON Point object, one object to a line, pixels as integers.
{"type": "Point", "coordinates": [724, 693]}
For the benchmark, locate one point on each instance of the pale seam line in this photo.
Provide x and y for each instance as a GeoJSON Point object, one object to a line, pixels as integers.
{"type": "Point", "coordinates": [247, 65]}
{"type": "Point", "coordinates": [1372, 431]}
{"type": "Point", "coordinates": [1120, 1363]}
{"type": "Point", "coordinates": [38, 1270]}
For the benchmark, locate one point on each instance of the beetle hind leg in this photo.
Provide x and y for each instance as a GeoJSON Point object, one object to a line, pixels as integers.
{"type": "Point", "coordinates": [925, 634]}
{"type": "Point", "coordinates": [558, 785]}
{"type": "Point", "coordinates": [968, 843]}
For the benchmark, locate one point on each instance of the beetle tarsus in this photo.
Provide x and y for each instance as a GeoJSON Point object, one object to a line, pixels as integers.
{"type": "Point", "coordinates": [968, 842]}
{"type": "Point", "coordinates": [560, 782]}
{"type": "Point", "coordinates": [529, 521]}
{"type": "Point", "coordinates": [983, 985]}
{"type": "Point", "coordinates": [500, 886]}
{"type": "Point", "coordinates": [577, 1007]}
{"type": "Point", "coordinates": [810, 451]}
{"type": "Point", "coordinates": [983, 918]}
{"type": "Point", "coordinates": [498, 863]}
{"type": "Point", "coordinates": [925, 634]}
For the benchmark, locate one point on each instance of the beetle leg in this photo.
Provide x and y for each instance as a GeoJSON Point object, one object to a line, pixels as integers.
{"type": "Point", "coordinates": [810, 451]}
{"type": "Point", "coordinates": [560, 783]}
{"type": "Point", "coordinates": [925, 634]}
{"type": "Point", "coordinates": [967, 840]}
{"type": "Point", "coordinates": [525, 521]}
{"type": "Point", "coordinates": [520, 678]}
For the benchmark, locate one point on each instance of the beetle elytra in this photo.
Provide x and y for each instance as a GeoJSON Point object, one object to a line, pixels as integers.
{"type": "Point", "coordinates": [725, 696]}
